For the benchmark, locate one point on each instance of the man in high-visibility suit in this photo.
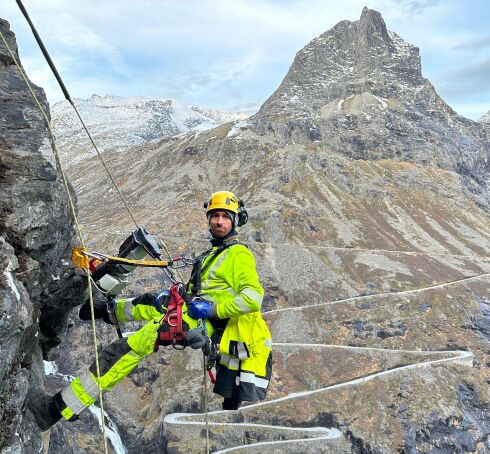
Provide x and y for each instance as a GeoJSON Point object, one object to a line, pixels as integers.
{"type": "Point", "coordinates": [225, 294]}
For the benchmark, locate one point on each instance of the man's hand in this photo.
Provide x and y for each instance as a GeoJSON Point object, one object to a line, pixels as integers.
{"type": "Point", "coordinates": [197, 338]}
{"type": "Point", "coordinates": [201, 309]}
{"type": "Point", "coordinates": [159, 302]}
{"type": "Point", "coordinates": [102, 309]}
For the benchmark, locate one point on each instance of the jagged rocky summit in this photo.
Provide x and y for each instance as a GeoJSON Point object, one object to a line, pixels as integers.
{"type": "Point", "coordinates": [359, 87]}
{"type": "Point", "coordinates": [37, 288]}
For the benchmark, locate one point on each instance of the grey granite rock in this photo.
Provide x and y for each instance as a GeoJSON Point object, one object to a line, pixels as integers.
{"type": "Point", "coordinates": [36, 288]}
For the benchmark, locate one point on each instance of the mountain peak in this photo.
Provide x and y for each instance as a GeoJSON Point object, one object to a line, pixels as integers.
{"type": "Point", "coordinates": [372, 29]}
{"type": "Point", "coordinates": [350, 58]}
{"type": "Point", "coordinates": [359, 87]}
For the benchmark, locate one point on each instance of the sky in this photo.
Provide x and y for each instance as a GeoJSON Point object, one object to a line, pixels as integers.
{"type": "Point", "coordinates": [233, 54]}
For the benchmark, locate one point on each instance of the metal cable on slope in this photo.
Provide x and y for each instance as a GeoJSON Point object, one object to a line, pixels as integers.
{"type": "Point", "coordinates": [374, 295]}
{"type": "Point", "coordinates": [75, 219]}
{"type": "Point", "coordinates": [335, 248]}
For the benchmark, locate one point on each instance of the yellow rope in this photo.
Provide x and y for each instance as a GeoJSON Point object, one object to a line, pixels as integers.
{"type": "Point", "coordinates": [75, 219]}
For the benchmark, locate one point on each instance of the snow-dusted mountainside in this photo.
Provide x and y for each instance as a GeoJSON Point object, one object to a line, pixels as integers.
{"type": "Point", "coordinates": [359, 87]}
{"type": "Point", "coordinates": [117, 122]}
{"type": "Point", "coordinates": [485, 118]}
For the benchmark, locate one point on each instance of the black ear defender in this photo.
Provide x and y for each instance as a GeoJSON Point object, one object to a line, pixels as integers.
{"type": "Point", "coordinates": [205, 205]}
{"type": "Point", "coordinates": [242, 214]}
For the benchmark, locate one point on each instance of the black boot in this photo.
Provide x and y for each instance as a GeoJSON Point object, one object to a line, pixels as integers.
{"type": "Point", "coordinates": [45, 409]}
{"type": "Point", "coordinates": [231, 403]}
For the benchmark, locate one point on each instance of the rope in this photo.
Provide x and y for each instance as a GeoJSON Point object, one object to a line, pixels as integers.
{"type": "Point", "coordinates": [205, 385]}
{"type": "Point", "coordinates": [104, 165]}
{"type": "Point", "coordinates": [68, 98]}
{"type": "Point", "coordinates": [132, 262]}
{"type": "Point", "coordinates": [74, 215]}
{"type": "Point", "coordinates": [164, 246]}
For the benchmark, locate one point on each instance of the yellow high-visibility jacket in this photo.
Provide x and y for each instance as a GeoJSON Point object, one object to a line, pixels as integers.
{"type": "Point", "coordinates": [232, 283]}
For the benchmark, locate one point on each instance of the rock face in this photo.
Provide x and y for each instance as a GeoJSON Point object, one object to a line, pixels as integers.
{"type": "Point", "coordinates": [359, 87]}
{"type": "Point", "coordinates": [36, 286]}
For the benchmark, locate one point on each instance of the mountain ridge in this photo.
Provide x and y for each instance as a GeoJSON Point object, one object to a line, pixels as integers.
{"type": "Point", "coordinates": [359, 87]}
{"type": "Point", "coordinates": [118, 122]}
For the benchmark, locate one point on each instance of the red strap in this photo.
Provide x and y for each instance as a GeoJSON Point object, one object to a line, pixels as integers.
{"type": "Point", "coordinates": [173, 318]}
{"type": "Point", "coordinates": [174, 315]}
{"type": "Point", "coordinates": [212, 377]}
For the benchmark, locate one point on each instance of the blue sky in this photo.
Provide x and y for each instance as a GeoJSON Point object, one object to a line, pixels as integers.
{"type": "Point", "coordinates": [232, 54]}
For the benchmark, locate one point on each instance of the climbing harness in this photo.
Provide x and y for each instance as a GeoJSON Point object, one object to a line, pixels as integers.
{"type": "Point", "coordinates": [172, 330]}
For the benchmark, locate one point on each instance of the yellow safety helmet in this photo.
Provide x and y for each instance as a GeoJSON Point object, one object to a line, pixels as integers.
{"type": "Point", "coordinates": [222, 200]}
{"type": "Point", "coordinates": [226, 200]}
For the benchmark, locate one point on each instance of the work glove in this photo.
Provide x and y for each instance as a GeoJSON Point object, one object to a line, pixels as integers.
{"type": "Point", "coordinates": [162, 300]}
{"type": "Point", "coordinates": [203, 309]}
{"type": "Point", "coordinates": [197, 338]}
{"type": "Point", "coordinates": [159, 302]}
{"type": "Point", "coordinates": [103, 308]}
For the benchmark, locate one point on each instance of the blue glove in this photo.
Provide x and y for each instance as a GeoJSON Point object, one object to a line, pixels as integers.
{"type": "Point", "coordinates": [200, 309]}
{"type": "Point", "coordinates": [161, 301]}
